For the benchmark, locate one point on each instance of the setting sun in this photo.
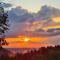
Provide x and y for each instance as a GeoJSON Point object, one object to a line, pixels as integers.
{"type": "Point", "coordinates": [26, 39]}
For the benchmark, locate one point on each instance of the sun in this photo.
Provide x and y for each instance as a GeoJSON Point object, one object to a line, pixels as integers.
{"type": "Point", "coordinates": [26, 39]}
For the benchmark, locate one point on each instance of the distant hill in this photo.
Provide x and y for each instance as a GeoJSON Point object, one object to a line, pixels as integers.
{"type": "Point", "coordinates": [5, 52]}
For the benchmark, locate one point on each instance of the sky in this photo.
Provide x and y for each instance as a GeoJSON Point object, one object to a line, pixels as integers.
{"type": "Point", "coordinates": [33, 5]}
{"type": "Point", "coordinates": [23, 31]}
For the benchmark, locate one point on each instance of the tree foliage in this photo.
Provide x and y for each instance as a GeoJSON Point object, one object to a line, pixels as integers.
{"type": "Point", "coordinates": [3, 26]}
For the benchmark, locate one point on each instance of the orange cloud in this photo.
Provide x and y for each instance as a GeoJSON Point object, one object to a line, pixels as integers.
{"type": "Point", "coordinates": [56, 19]}
{"type": "Point", "coordinates": [54, 25]}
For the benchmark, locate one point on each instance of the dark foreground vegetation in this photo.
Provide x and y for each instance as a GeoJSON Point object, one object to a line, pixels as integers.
{"type": "Point", "coordinates": [49, 53]}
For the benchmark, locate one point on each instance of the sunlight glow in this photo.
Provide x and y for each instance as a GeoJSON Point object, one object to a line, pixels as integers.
{"type": "Point", "coordinates": [56, 19]}
{"type": "Point", "coordinates": [26, 39]}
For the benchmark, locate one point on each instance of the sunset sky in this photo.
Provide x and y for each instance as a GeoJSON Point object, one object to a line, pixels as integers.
{"type": "Point", "coordinates": [33, 22]}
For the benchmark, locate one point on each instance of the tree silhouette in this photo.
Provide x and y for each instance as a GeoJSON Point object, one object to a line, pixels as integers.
{"type": "Point", "coordinates": [3, 26]}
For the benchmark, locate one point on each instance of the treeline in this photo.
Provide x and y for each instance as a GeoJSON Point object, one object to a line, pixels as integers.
{"type": "Point", "coordinates": [43, 53]}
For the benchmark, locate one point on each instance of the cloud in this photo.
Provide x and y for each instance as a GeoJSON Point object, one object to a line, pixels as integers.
{"type": "Point", "coordinates": [55, 40]}
{"type": "Point", "coordinates": [23, 22]}
{"type": "Point", "coordinates": [47, 12]}
{"type": "Point", "coordinates": [19, 15]}
{"type": "Point", "coordinates": [6, 5]}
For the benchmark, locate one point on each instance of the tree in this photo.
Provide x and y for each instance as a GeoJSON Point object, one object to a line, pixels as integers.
{"type": "Point", "coordinates": [3, 26]}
